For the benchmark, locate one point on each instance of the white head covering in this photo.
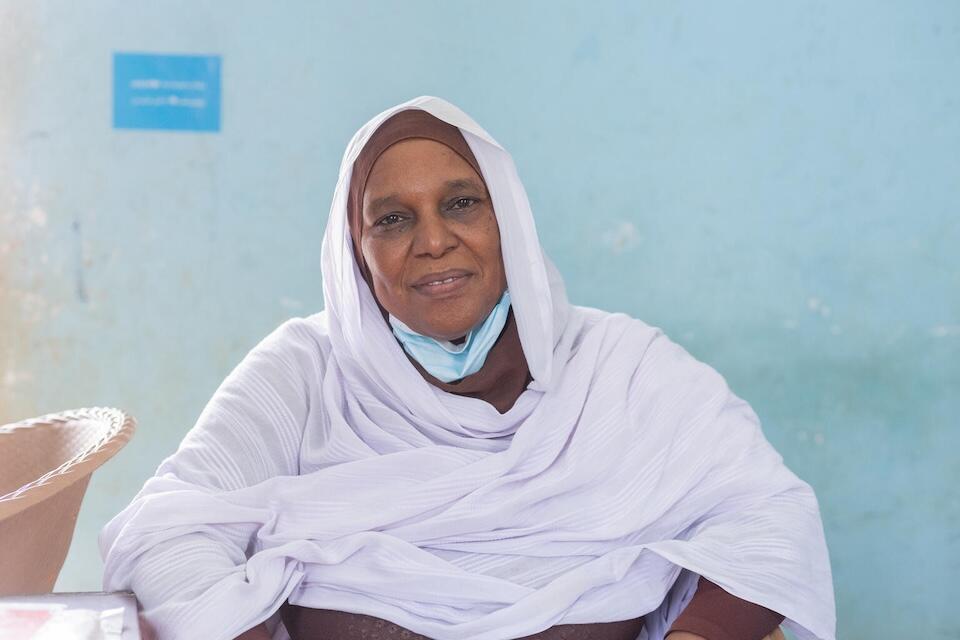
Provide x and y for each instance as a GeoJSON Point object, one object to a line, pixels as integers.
{"type": "Point", "coordinates": [326, 470]}
{"type": "Point", "coordinates": [540, 309]}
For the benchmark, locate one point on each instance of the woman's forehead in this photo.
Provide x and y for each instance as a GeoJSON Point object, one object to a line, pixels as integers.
{"type": "Point", "coordinates": [420, 162]}
{"type": "Point", "coordinates": [404, 125]}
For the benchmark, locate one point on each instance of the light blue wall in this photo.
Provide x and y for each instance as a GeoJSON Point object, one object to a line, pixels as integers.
{"type": "Point", "coordinates": [774, 184]}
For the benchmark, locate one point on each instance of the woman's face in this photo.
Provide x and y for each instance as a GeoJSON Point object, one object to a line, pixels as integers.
{"type": "Point", "coordinates": [430, 239]}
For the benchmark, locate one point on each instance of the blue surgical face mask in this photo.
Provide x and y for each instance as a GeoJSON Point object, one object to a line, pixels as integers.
{"type": "Point", "coordinates": [446, 361]}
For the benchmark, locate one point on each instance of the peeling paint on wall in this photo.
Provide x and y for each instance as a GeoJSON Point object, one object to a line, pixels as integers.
{"type": "Point", "coordinates": [623, 237]}
{"type": "Point", "coordinates": [20, 310]}
{"type": "Point", "coordinates": [25, 224]}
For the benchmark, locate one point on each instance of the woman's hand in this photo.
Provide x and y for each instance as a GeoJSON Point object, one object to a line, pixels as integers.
{"type": "Point", "coordinates": [146, 631]}
{"type": "Point", "coordinates": [259, 632]}
{"type": "Point", "coordinates": [684, 635]}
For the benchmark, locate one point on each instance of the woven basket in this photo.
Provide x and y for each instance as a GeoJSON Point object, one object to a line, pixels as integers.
{"type": "Point", "coordinates": [45, 465]}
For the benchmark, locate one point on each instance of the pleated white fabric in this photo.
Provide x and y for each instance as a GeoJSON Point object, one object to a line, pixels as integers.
{"type": "Point", "coordinates": [327, 470]}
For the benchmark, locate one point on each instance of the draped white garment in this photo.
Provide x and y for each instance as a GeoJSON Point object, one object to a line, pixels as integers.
{"type": "Point", "coordinates": [327, 470]}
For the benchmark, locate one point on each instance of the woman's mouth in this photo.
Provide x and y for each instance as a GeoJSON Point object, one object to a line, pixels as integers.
{"type": "Point", "coordinates": [434, 283]}
{"type": "Point", "coordinates": [442, 284]}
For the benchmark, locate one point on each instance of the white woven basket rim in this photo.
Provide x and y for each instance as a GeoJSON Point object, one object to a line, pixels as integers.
{"type": "Point", "coordinates": [119, 429]}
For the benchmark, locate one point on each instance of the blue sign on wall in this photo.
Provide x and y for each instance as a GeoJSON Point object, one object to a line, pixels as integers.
{"type": "Point", "coordinates": [166, 92]}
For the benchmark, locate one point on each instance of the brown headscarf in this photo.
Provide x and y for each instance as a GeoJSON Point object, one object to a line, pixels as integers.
{"type": "Point", "coordinates": [504, 374]}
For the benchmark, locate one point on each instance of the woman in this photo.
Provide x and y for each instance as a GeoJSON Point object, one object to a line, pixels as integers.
{"type": "Point", "coordinates": [451, 450]}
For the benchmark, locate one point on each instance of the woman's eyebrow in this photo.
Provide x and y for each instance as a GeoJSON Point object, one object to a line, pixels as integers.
{"type": "Point", "coordinates": [449, 185]}
{"type": "Point", "coordinates": [462, 183]}
{"type": "Point", "coordinates": [376, 203]}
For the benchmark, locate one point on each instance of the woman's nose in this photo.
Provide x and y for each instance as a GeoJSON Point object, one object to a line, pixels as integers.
{"type": "Point", "coordinates": [434, 237]}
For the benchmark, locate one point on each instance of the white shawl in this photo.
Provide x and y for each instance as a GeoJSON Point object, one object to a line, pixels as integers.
{"type": "Point", "coordinates": [326, 470]}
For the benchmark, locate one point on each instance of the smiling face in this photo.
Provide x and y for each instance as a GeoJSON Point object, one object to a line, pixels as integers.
{"type": "Point", "coordinates": [430, 239]}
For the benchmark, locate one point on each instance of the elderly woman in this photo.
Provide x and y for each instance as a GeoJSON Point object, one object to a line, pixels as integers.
{"type": "Point", "coordinates": [452, 450]}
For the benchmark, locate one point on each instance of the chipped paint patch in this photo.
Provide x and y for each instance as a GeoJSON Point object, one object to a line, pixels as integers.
{"type": "Point", "coordinates": [623, 237]}
{"type": "Point", "coordinates": [38, 217]}
{"type": "Point", "coordinates": [80, 283]}
{"type": "Point", "coordinates": [291, 303]}
{"type": "Point", "coordinates": [945, 330]}
{"type": "Point", "coordinates": [15, 379]}
{"type": "Point", "coordinates": [817, 306]}
{"type": "Point", "coordinates": [11, 377]}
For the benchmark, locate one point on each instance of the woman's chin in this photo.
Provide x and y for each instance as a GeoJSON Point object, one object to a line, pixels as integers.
{"type": "Point", "coordinates": [450, 330]}
{"type": "Point", "coordinates": [447, 321]}
{"type": "Point", "coordinates": [448, 335]}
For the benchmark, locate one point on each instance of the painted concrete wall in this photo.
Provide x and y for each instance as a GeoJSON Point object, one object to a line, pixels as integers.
{"type": "Point", "coordinates": [776, 185]}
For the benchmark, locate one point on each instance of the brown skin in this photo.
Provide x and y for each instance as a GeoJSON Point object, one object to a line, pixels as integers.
{"type": "Point", "coordinates": [427, 212]}
{"type": "Point", "coordinates": [683, 635]}
{"type": "Point", "coordinates": [259, 632]}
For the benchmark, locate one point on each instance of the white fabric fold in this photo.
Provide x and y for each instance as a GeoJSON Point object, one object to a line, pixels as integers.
{"type": "Point", "coordinates": [326, 470]}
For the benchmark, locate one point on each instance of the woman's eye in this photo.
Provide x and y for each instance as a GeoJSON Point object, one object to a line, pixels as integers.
{"type": "Point", "coordinates": [463, 203]}
{"type": "Point", "coordinates": [389, 220]}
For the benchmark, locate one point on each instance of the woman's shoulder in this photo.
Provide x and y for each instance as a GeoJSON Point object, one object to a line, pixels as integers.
{"type": "Point", "coordinates": [300, 342]}
{"type": "Point", "coordinates": [625, 338]}
{"type": "Point", "coordinates": [299, 332]}
{"type": "Point", "coordinates": [617, 327]}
